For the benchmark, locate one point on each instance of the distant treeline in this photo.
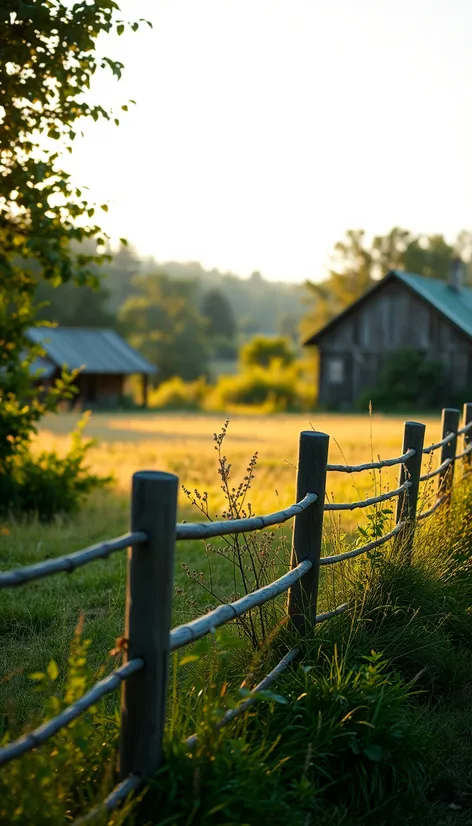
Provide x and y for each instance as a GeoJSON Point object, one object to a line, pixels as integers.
{"type": "Point", "coordinates": [183, 317]}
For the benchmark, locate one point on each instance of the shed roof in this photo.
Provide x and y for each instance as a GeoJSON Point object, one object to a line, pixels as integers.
{"type": "Point", "coordinates": [95, 351]}
{"type": "Point", "coordinates": [455, 305]}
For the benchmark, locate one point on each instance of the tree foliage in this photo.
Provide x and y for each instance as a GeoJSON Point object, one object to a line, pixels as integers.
{"type": "Point", "coordinates": [49, 57]}
{"type": "Point", "coordinates": [162, 322]}
{"type": "Point", "coordinates": [356, 263]}
{"type": "Point", "coordinates": [261, 351]}
{"type": "Point", "coordinates": [72, 305]}
{"type": "Point", "coordinates": [219, 315]}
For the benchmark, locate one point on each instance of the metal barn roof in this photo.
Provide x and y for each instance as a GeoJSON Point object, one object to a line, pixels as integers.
{"type": "Point", "coordinates": [95, 351]}
{"type": "Point", "coordinates": [455, 305]}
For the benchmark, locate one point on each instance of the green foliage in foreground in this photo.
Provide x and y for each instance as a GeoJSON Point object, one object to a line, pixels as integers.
{"type": "Point", "coordinates": [49, 57]}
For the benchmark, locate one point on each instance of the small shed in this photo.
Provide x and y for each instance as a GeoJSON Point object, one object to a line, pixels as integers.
{"type": "Point", "coordinates": [102, 356]}
{"type": "Point", "coordinates": [402, 310]}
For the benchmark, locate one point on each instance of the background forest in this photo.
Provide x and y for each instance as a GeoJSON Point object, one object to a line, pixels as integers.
{"type": "Point", "coordinates": [220, 340]}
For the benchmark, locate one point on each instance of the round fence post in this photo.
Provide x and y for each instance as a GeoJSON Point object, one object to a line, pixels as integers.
{"type": "Point", "coordinates": [308, 527]}
{"type": "Point", "coordinates": [467, 436]}
{"type": "Point", "coordinates": [149, 590]}
{"type": "Point", "coordinates": [413, 438]}
{"type": "Point", "coordinates": [450, 424]}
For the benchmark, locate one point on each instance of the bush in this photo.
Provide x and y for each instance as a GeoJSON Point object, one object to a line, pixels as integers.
{"type": "Point", "coordinates": [262, 351]}
{"type": "Point", "coordinates": [47, 484]}
{"type": "Point", "coordinates": [407, 381]}
{"type": "Point", "coordinates": [177, 394]}
{"type": "Point", "coordinates": [276, 389]}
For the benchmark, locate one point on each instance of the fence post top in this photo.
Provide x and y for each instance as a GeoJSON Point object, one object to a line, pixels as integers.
{"type": "Point", "coordinates": [155, 476]}
{"type": "Point", "coordinates": [313, 434]}
{"type": "Point", "coordinates": [451, 410]}
{"type": "Point", "coordinates": [415, 424]}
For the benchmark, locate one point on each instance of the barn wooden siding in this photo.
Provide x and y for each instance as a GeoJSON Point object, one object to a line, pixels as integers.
{"type": "Point", "coordinates": [393, 318]}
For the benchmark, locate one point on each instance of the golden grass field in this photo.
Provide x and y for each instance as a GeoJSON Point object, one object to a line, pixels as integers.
{"type": "Point", "coordinates": [183, 444]}
{"type": "Point", "coordinates": [37, 621]}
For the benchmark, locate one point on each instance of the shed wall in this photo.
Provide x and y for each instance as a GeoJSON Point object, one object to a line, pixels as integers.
{"type": "Point", "coordinates": [393, 318]}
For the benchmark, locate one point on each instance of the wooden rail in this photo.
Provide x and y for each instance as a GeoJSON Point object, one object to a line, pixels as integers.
{"type": "Point", "coordinates": [149, 638]}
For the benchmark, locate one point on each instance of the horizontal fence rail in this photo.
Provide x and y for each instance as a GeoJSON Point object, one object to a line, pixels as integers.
{"type": "Point", "coordinates": [365, 503]}
{"type": "Point", "coordinates": [466, 429]}
{"type": "Point", "coordinates": [149, 639]}
{"type": "Point", "coordinates": [330, 614]}
{"type": "Point", "coordinates": [205, 530]}
{"type": "Point", "coordinates": [465, 452]}
{"type": "Point", "coordinates": [433, 509]}
{"type": "Point", "coordinates": [376, 543]}
{"type": "Point", "coordinates": [233, 713]}
{"type": "Point", "coordinates": [198, 628]}
{"type": "Point", "coordinates": [69, 563]}
{"type": "Point", "coordinates": [91, 697]}
{"type": "Point", "coordinates": [120, 793]}
{"type": "Point", "coordinates": [447, 439]}
{"type": "Point", "coordinates": [438, 470]}
{"type": "Point", "coordinates": [373, 465]}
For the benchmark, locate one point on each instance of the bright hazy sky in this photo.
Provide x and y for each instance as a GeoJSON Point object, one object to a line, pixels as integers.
{"type": "Point", "coordinates": [266, 128]}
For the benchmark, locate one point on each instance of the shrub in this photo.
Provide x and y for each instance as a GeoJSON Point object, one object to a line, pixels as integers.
{"type": "Point", "coordinates": [177, 394]}
{"type": "Point", "coordinates": [47, 484]}
{"type": "Point", "coordinates": [261, 351]}
{"type": "Point", "coordinates": [407, 380]}
{"type": "Point", "coordinates": [277, 388]}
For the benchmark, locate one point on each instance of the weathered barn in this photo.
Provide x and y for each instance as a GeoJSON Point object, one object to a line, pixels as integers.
{"type": "Point", "coordinates": [401, 311]}
{"type": "Point", "coordinates": [102, 356]}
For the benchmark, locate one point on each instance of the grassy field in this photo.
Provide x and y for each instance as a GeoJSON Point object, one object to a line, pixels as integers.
{"type": "Point", "coordinates": [37, 622]}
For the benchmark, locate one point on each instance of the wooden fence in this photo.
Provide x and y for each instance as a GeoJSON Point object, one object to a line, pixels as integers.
{"type": "Point", "coordinates": [143, 677]}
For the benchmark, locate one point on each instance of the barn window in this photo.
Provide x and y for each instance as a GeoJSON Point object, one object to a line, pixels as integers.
{"type": "Point", "coordinates": [335, 371]}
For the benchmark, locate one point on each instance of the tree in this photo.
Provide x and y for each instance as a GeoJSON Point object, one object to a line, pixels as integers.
{"type": "Point", "coordinates": [357, 264]}
{"type": "Point", "coordinates": [219, 315]}
{"type": "Point", "coordinates": [261, 351]}
{"type": "Point", "coordinates": [71, 305]}
{"type": "Point", "coordinates": [123, 268]}
{"type": "Point", "coordinates": [48, 60]}
{"type": "Point", "coordinates": [161, 321]}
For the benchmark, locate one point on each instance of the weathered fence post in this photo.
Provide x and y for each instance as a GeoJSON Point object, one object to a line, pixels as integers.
{"type": "Point", "coordinates": [149, 590]}
{"type": "Point", "coordinates": [467, 436]}
{"type": "Point", "coordinates": [413, 438]}
{"type": "Point", "coordinates": [308, 527]}
{"type": "Point", "coordinates": [450, 424]}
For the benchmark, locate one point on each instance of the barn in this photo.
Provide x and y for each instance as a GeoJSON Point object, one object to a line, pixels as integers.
{"type": "Point", "coordinates": [104, 359]}
{"type": "Point", "coordinates": [400, 311]}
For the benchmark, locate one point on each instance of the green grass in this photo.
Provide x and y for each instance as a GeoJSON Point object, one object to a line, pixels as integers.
{"type": "Point", "coordinates": [350, 737]}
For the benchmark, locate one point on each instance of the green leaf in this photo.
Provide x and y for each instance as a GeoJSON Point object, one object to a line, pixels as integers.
{"type": "Point", "coordinates": [189, 658]}
{"type": "Point", "coordinates": [374, 753]}
{"type": "Point", "coordinates": [37, 676]}
{"type": "Point", "coordinates": [354, 746]}
{"type": "Point", "coordinates": [104, 207]}
{"type": "Point", "coordinates": [53, 670]}
{"type": "Point", "coordinates": [120, 29]}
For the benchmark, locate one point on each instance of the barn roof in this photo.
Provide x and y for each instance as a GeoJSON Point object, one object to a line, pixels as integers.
{"type": "Point", "coordinates": [455, 305]}
{"type": "Point", "coordinates": [95, 351]}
